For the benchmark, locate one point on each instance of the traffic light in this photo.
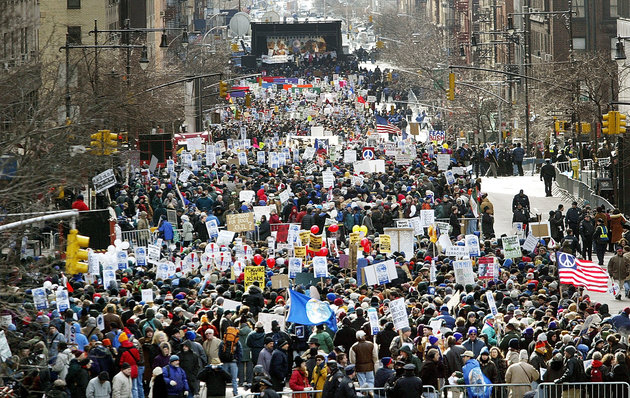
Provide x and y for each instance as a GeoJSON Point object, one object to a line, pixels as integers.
{"type": "Point", "coordinates": [223, 89]}
{"type": "Point", "coordinates": [237, 114]}
{"type": "Point", "coordinates": [96, 143]}
{"type": "Point", "coordinates": [450, 93]}
{"type": "Point", "coordinates": [104, 142]}
{"type": "Point", "coordinates": [370, 19]}
{"type": "Point", "coordinates": [75, 253]}
{"type": "Point", "coordinates": [609, 124]}
{"type": "Point", "coordinates": [248, 100]}
{"type": "Point", "coordinates": [620, 123]}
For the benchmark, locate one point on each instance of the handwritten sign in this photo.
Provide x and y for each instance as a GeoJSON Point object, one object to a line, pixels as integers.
{"type": "Point", "coordinates": [254, 274]}
{"type": "Point", "coordinates": [240, 222]}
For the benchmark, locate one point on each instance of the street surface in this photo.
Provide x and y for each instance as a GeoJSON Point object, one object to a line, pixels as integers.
{"type": "Point", "coordinates": [501, 191]}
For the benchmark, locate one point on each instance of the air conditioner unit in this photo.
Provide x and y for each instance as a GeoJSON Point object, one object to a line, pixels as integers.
{"type": "Point", "coordinates": [548, 58]}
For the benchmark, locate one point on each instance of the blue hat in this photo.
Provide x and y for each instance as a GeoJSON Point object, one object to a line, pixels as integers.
{"type": "Point", "coordinates": [433, 339]}
{"type": "Point", "coordinates": [457, 335]}
{"type": "Point", "coordinates": [94, 338]}
{"type": "Point", "coordinates": [331, 296]}
{"type": "Point", "coordinates": [174, 358]}
{"type": "Point", "coordinates": [386, 361]}
{"type": "Point", "coordinates": [349, 370]}
{"type": "Point", "coordinates": [190, 335]}
{"type": "Point", "coordinates": [472, 329]}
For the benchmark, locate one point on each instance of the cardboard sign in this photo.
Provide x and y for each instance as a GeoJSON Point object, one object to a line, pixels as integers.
{"type": "Point", "coordinates": [299, 251]}
{"type": "Point", "coordinates": [280, 281]}
{"type": "Point", "coordinates": [355, 238]}
{"type": "Point", "coordinates": [540, 230]}
{"type": "Point", "coordinates": [240, 222]}
{"type": "Point", "coordinates": [254, 274]}
{"type": "Point", "coordinates": [315, 242]}
{"type": "Point", "coordinates": [295, 266]}
{"type": "Point", "coordinates": [386, 243]}
{"type": "Point", "coordinates": [320, 267]}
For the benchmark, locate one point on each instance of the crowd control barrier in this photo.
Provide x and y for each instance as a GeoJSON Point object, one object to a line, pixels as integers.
{"type": "Point", "coordinates": [614, 389]}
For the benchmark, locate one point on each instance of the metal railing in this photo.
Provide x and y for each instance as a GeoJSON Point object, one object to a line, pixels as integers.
{"type": "Point", "coordinates": [429, 391]}
{"type": "Point", "coordinates": [480, 390]}
{"type": "Point", "coordinates": [583, 389]}
{"type": "Point", "coordinates": [571, 189]}
{"type": "Point", "coordinates": [143, 237]}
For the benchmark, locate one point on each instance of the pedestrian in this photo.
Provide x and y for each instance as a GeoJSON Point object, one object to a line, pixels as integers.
{"type": "Point", "coordinates": [175, 379]}
{"type": "Point", "coordinates": [299, 380]}
{"type": "Point", "coordinates": [619, 271]}
{"type": "Point", "coordinates": [99, 387]}
{"type": "Point", "coordinates": [601, 239]}
{"type": "Point", "coordinates": [279, 365]}
{"type": "Point", "coordinates": [518, 154]}
{"type": "Point", "coordinates": [548, 174]}
{"type": "Point", "coordinates": [215, 378]}
{"type": "Point", "coordinates": [521, 372]}
{"type": "Point", "coordinates": [122, 383]}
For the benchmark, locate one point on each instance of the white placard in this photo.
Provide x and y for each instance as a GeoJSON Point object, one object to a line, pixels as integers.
{"type": "Point", "coordinates": [373, 318]}
{"type": "Point", "coordinates": [530, 243]}
{"type": "Point", "coordinates": [230, 304]}
{"type": "Point", "coordinates": [443, 161]}
{"type": "Point", "coordinates": [109, 277]}
{"type": "Point", "coordinates": [328, 178]}
{"type": "Point", "coordinates": [349, 156]}
{"type": "Point", "coordinates": [153, 253]}
{"type": "Point", "coordinates": [122, 259]}
{"type": "Point", "coordinates": [103, 181]}
{"type": "Point", "coordinates": [267, 320]}
{"type": "Point", "coordinates": [5, 350]}
{"type": "Point", "coordinates": [260, 211]}
{"type": "Point", "coordinates": [456, 251]}
{"type": "Point", "coordinates": [246, 196]}
{"type": "Point", "coordinates": [472, 245]}
{"type": "Point", "coordinates": [427, 217]}
{"type": "Point", "coordinates": [491, 303]}
{"type": "Point", "coordinates": [185, 175]}
{"type": "Point", "coordinates": [284, 196]}
{"type": "Point", "coordinates": [225, 238]}
{"type": "Point", "coordinates": [63, 303]}
{"type": "Point", "coordinates": [40, 299]}
{"type": "Point", "coordinates": [141, 256]}
{"type": "Point", "coordinates": [93, 264]}
{"type": "Point", "coordinates": [295, 266]}
{"type": "Point", "coordinates": [464, 273]}
{"type": "Point", "coordinates": [398, 310]}
{"type": "Point", "coordinates": [212, 228]}
{"type": "Point", "coordinates": [147, 295]}
{"type": "Point", "coordinates": [320, 267]}
{"type": "Point", "coordinates": [308, 153]}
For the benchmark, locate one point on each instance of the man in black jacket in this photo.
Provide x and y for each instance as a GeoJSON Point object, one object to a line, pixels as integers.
{"type": "Point", "coordinates": [548, 173]}
{"type": "Point", "coordinates": [335, 375]}
{"type": "Point", "coordinates": [409, 385]}
{"type": "Point", "coordinates": [215, 378]}
{"type": "Point", "coordinates": [573, 371]}
{"type": "Point", "coordinates": [279, 366]}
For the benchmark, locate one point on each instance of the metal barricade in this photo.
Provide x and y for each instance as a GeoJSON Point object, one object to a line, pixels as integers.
{"type": "Point", "coordinates": [428, 392]}
{"type": "Point", "coordinates": [585, 389]}
{"type": "Point", "coordinates": [498, 390]}
{"type": "Point", "coordinates": [563, 167]}
{"type": "Point", "coordinates": [137, 237]}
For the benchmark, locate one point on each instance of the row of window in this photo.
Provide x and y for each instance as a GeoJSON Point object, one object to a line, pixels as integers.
{"type": "Point", "coordinates": [16, 43]}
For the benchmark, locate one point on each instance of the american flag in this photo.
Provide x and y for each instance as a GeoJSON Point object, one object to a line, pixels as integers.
{"type": "Point", "coordinates": [573, 271]}
{"type": "Point", "coordinates": [384, 126]}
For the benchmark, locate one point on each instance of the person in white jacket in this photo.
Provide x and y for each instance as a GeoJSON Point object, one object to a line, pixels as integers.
{"type": "Point", "coordinates": [62, 362]}
{"type": "Point", "coordinates": [99, 387]}
{"type": "Point", "coordinates": [122, 383]}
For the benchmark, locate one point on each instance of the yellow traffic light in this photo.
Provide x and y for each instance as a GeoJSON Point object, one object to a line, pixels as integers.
{"type": "Point", "coordinates": [585, 128]}
{"type": "Point", "coordinates": [450, 93]}
{"type": "Point", "coordinates": [620, 123]}
{"type": "Point", "coordinates": [75, 253]}
{"type": "Point", "coordinates": [608, 125]}
{"type": "Point", "coordinates": [370, 19]}
{"type": "Point", "coordinates": [96, 143]}
{"type": "Point", "coordinates": [223, 89]}
{"type": "Point", "coordinates": [248, 100]}
{"type": "Point", "coordinates": [110, 141]}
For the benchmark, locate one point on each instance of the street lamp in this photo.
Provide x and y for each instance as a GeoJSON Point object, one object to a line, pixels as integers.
{"type": "Point", "coordinates": [185, 38]}
{"type": "Point", "coordinates": [144, 58]}
{"type": "Point", "coordinates": [164, 40]}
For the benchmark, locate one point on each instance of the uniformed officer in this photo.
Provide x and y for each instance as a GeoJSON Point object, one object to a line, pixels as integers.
{"type": "Point", "coordinates": [266, 389]}
{"type": "Point", "coordinates": [332, 380]}
{"type": "Point", "coordinates": [409, 385]}
{"type": "Point", "coordinates": [346, 387]}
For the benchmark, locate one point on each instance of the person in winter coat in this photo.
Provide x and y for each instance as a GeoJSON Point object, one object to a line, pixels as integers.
{"type": "Point", "coordinates": [62, 361]}
{"type": "Point", "coordinates": [319, 374]}
{"type": "Point", "coordinates": [453, 356]}
{"type": "Point", "coordinates": [264, 229]}
{"type": "Point", "coordinates": [409, 385]}
{"type": "Point", "coordinates": [255, 300]}
{"type": "Point", "coordinates": [473, 343]}
{"type": "Point", "coordinates": [175, 378]}
{"type": "Point", "coordinates": [488, 330]}
{"type": "Point", "coordinates": [554, 372]}
{"type": "Point", "coordinates": [473, 375]}
{"type": "Point", "coordinates": [325, 342]}
{"type": "Point", "coordinates": [215, 378]}
{"type": "Point", "coordinates": [346, 336]}
{"type": "Point", "coordinates": [432, 369]}
{"type": "Point", "coordinates": [78, 377]}
{"type": "Point", "coordinates": [299, 380]}
{"type": "Point", "coordinates": [521, 373]}
{"type": "Point", "coordinates": [122, 383]}
{"type": "Point", "coordinates": [264, 357]}
{"type": "Point", "coordinates": [597, 373]}
{"type": "Point", "coordinates": [616, 226]}
{"type": "Point", "coordinates": [620, 373]}
{"type": "Point", "coordinates": [383, 340]}
{"type": "Point", "coordinates": [187, 231]}
{"type": "Point", "coordinates": [189, 362]}
{"type": "Point", "coordinates": [279, 365]}
{"type": "Point", "coordinates": [157, 386]}
{"type": "Point", "coordinates": [245, 364]}
{"type": "Point", "coordinates": [383, 374]}
{"type": "Point", "coordinates": [364, 356]}
{"type": "Point", "coordinates": [487, 366]}
{"type": "Point", "coordinates": [587, 229]}
{"type": "Point", "coordinates": [255, 341]}
{"type": "Point", "coordinates": [619, 270]}
{"type": "Point", "coordinates": [99, 387]}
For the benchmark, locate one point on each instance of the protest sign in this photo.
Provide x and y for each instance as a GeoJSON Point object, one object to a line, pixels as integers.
{"type": "Point", "coordinates": [280, 281]}
{"type": "Point", "coordinates": [511, 247]}
{"type": "Point", "coordinates": [305, 237]}
{"type": "Point", "coordinates": [328, 178]}
{"type": "Point", "coordinates": [254, 274]}
{"type": "Point", "coordinates": [456, 251]}
{"type": "Point", "coordinates": [491, 303]}
{"type": "Point", "coordinates": [241, 222]}
{"type": "Point", "coordinates": [530, 243]}
{"type": "Point", "coordinates": [373, 318]}
{"type": "Point", "coordinates": [398, 310]}
{"type": "Point", "coordinates": [147, 295]}
{"type": "Point", "coordinates": [349, 156]}
{"type": "Point", "coordinates": [246, 196]}
{"type": "Point", "coordinates": [472, 245]}
{"type": "Point", "coordinates": [464, 273]}
{"type": "Point", "coordinates": [40, 299]}
{"type": "Point", "coordinates": [62, 300]}
{"type": "Point", "coordinates": [386, 243]}
{"type": "Point", "coordinates": [443, 161]}
{"type": "Point", "coordinates": [267, 321]}
{"type": "Point", "coordinates": [485, 268]}
{"type": "Point", "coordinates": [320, 267]}
{"type": "Point", "coordinates": [299, 251]}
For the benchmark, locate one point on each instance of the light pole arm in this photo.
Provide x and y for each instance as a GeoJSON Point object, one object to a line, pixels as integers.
{"type": "Point", "coordinates": [66, 214]}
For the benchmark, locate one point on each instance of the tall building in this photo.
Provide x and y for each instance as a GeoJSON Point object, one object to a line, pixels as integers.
{"type": "Point", "coordinates": [19, 31]}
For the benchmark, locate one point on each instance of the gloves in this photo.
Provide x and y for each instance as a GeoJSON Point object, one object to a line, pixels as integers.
{"type": "Point", "coordinates": [185, 393]}
{"type": "Point", "coordinates": [173, 383]}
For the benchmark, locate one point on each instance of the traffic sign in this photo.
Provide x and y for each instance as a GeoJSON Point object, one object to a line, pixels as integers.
{"type": "Point", "coordinates": [368, 153]}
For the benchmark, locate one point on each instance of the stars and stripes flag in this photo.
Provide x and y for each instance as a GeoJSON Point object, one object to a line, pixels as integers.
{"type": "Point", "coordinates": [573, 271]}
{"type": "Point", "coordinates": [384, 126]}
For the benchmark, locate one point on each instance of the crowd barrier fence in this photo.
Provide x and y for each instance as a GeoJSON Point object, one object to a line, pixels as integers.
{"type": "Point", "coordinates": [429, 392]}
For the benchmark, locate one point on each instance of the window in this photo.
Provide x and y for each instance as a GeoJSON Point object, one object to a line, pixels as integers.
{"type": "Point", "coordinates": [613, 9]}
{"type": "Point", "coordinates": [5, 46]}
{"type": "Point", "coordinates": [74, 34]}
{"type": "Point", "coordinates": [578, 7]}
{"type": "Point", "coordinates": [579, 43]}
{"type": "Point", "coordinates": [73, 4]}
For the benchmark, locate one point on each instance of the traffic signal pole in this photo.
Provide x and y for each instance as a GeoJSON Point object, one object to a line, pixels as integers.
{"type": "Point", "coordinates": [66, 214]}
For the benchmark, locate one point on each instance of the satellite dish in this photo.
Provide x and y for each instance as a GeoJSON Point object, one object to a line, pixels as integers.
{"type": "Point", "coordinates": [239, 24]}
{"type": "Point", "coordinates": [271, 16]}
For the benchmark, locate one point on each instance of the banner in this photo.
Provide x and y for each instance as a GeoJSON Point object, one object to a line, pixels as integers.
{"type": "Point", "coordinates": [242, 222]}
{"type": "Point", "coordinates": [386, 243]}
{"type": "Point", "coordinates": [320, 267]}
{"type": "Point", "coordinates": [254, 274]}
{"type": "Point", "coordinates": [511, 247]}
{"type": "Point", "coordinates": [295, 266]}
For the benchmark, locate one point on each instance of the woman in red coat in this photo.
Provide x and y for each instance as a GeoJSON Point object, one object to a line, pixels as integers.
{"type": "Point", "coordinates": [299, 378]}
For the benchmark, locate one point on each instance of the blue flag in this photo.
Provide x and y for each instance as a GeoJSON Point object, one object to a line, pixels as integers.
{"type": "Point", "coordinates": [309, 311]}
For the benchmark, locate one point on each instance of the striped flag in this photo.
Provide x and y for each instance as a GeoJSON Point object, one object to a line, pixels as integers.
{"type": "Point", "coordinates": [573, 271]}
{"type": "Point", "coordinates": [384, 126]}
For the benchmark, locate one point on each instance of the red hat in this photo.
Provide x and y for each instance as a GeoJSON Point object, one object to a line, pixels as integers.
{"type": "Point", "coordinates": [125, 280]}
{"type": "Point", "coordinates": [131, 321]}
{"type": "Point", "coordinates": [279, 298]}
{"type": "Point", "coordinates": [123, 292]}
{"type": "Point", "coordinates": [338, 302]}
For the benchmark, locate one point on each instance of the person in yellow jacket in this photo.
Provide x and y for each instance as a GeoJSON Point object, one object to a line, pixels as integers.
{"type": "Point", "coordinates": [320, 372]}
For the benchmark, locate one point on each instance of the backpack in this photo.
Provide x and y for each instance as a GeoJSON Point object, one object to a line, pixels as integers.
{"type": "Point", "coordinates": [596, 375]}
{"type": "Point", "coordinates": [230, 342]}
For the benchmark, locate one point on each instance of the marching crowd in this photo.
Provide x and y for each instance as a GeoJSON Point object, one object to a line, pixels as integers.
{"type": "Point", "coordinates": [110, 342]}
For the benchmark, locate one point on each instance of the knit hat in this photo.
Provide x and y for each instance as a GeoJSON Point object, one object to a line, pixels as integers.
{"type": "Point", "coordinates": [386, 361]}
{"type": "Point", "coordinates": [123, 337]}
{"type": "Point", "coordinates": [433, 340]}
{"type": "Point", "coordinates": [173, 358]}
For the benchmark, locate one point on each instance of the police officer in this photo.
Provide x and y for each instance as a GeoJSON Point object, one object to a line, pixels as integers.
{"type": "Point", "coordinates": [548, 173]}
{"type": "Point", "coordinates": [346, 386]}
{"type": "Point", "coordinates": [409, 385]}
{"type": "Point", "coordinates": [333, 380]}
{"type": "Point", "coordinates": [266, 389]}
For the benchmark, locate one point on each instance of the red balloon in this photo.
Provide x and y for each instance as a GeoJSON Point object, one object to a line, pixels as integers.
{"type": "Point", "coordinates": [315, 229]}
{"type": "Point", "coordinates": [333, 228]}
{"type": "Point", "coordinates": [258, 259]}
{"type": "Point", "coordinates": [271, 262]}
{"type": "Point", "coordinates": [364, 242]}
{"type": "Point", "coordinates": [323, 243]}
{"type": "Point", "coordinates": [323, 252]}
